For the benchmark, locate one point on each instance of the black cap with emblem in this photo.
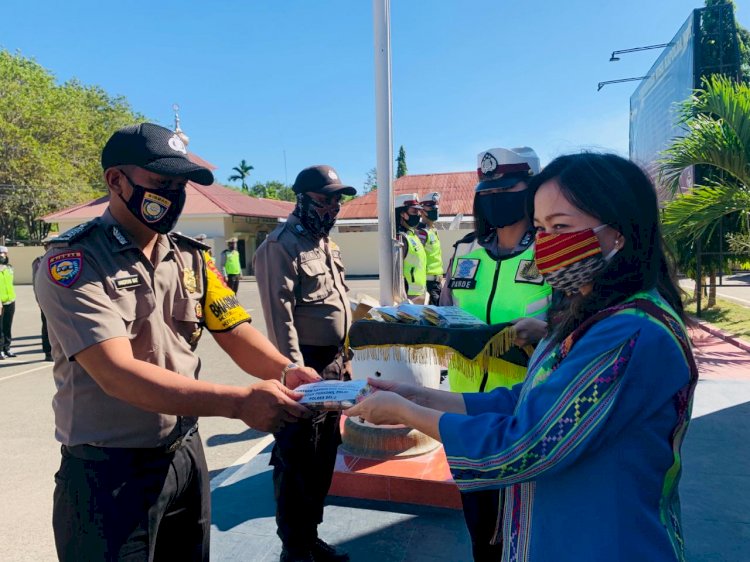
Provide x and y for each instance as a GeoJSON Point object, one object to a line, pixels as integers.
{"type": "Point", "coordinates": [321, 179]}
{"type": "Point", "coordinates": [153, 148]}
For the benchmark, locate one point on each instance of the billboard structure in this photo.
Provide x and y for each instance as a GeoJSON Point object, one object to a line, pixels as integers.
{"type": "Point", "coordinates": [705, 44]}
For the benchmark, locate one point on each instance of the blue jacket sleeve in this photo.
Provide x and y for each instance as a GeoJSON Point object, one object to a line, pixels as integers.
{"type": "Point", "coordinates": [625, 361]}
{"type": "Point", "coordinates": [498, 401]}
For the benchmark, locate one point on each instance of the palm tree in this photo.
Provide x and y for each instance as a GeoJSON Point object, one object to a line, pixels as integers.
{"type": "Point", "coordinates": [716, 120]}
{"type": "Point", "coordinates": [243, 172]}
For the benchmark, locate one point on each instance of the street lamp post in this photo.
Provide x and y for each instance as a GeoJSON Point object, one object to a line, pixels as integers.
{"type": "Point", "coordinates": [600, 85]}
{"type": "Point", "coordinates": [614, 58]}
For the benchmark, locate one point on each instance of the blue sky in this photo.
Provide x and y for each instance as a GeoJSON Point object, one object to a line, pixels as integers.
{"type": "Point", "coordinates": [287, 84]}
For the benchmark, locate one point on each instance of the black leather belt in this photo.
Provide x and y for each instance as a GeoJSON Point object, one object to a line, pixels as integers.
{"type": "Point", "coordinates": [93, 453]}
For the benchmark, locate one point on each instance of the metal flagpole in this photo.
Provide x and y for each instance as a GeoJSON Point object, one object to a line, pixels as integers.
{"type": "Point", "coordinates": [381, 10]}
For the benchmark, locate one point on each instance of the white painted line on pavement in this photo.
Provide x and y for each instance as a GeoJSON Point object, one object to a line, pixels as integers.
{"type": "Point", "coordinates": [230, 471]}
{"type": "Point", "coordinates": [25, 372]}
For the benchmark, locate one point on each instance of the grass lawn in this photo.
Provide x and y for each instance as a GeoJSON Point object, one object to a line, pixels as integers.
{"type": "Point", "coordinates": [728, 316]}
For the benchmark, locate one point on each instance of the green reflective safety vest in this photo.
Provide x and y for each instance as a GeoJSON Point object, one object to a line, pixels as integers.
{"type": "Point", "coordinates": [415, 261]}
{"type": "Point", "coordinates": [433, 252]}
{"type": "Point", "coordinates": [7, 291]}
{"type": "Point", "coordinates": [232, 263]}
{"type": "Point", "coordinates": [495, 291]}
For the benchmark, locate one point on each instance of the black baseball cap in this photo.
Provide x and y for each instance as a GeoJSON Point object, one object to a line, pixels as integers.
{"type": "Point", "coordinates": [321, 179]}
{"type": "Point", "coordinates": [153, 148]}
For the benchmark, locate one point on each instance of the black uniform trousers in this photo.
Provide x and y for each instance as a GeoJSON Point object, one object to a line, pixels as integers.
{"type": "Point", "coordinates": [6, 322]}
{"type": "Point", "coordinates": [234, 282]}
{"type": "Point", "coordinates": [46, 347]}
{"type": "Point", "coordinates": [433, 290]}
{"type": "Point", "coordinates": [303, 459]}
{"type": "Point", "coordinates": [133, 504]}
{"type": "Point", "coordinates": [481, 511]}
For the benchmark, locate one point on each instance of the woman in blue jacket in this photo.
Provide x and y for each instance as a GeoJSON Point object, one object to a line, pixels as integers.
{"type": "Point", "coordinates": [586, 451]}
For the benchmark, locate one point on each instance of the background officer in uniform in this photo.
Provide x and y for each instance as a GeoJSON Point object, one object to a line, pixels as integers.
{"type": "Point", "coordinates": [493, 276]}
{"type": "Point", "coordinates": [46, 347]}
{"type": "Point", "coordinates": [230, 264]}
{"type": "Point", "coordinates": [126, 303]}
{"type": "Point", "coordinates": [301, 282]}
{"type": "Point", "coordinates": [428, 235]}
{"type": "Point", "coordinates": [407, 216]}
{"type": "Point", "coordinates": [7, 303]}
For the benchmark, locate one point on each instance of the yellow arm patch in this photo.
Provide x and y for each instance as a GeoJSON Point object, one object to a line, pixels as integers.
{"type": "Point", "coordinates": [222, 311]}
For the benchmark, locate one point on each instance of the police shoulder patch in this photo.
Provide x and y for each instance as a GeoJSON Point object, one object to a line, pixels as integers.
{"type": "Point", "coordinates": [65, 267]}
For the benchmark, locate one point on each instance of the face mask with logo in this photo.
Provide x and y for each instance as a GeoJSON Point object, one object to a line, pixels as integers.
{"type": "Point", "coordinates": [503, 208]}
{"type": "Point", "coordinates": [570, 260]}
{"type": "Point", "coordinates": [318, 218]}
{"type": "Point", "coordinates": [157, 209]}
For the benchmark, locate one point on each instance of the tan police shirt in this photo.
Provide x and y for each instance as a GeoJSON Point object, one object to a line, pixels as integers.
{"type": "Point", "coordinates": [95, 284]}
{"type": "Point", "coordinates": [302, 289]}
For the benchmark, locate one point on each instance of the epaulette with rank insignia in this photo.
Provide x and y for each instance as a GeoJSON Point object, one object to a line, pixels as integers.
{"type": "Point", "coordinates": [179, 237]}
{"type": "Point", "coordinates": [74, 234]}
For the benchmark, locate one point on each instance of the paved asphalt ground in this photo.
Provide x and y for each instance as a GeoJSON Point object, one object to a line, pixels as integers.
{"type": "Point", "coordinates": [715, 488]}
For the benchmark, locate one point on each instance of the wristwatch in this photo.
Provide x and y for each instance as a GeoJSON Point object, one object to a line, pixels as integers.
{"type": "Point", "coordinates": [285, 370]}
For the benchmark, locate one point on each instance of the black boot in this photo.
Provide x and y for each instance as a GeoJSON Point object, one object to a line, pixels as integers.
{"type": "Point", "coordinates": [324, 552]}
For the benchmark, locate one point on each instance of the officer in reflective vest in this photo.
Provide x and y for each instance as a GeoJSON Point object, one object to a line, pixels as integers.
{"type": "Point", "coordinates": [415, 260]}
{"type": "Point", "coordinates": [493, 276]}
{"type": "Point", "coordinates": [492, 273]}
{"type": "Point", "coordinates": [431, 241]}
{"type": "Point", "coordinates": [230, 263]}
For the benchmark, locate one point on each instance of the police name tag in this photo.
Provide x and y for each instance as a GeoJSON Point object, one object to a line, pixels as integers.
{"type": "Point", "coordinates": [127, 282]}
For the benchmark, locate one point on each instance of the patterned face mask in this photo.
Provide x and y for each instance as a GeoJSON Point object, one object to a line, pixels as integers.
{"type": "Point", "coordinates": [571, 260]}
{"type": "Point", "coordinates": [318, 218]}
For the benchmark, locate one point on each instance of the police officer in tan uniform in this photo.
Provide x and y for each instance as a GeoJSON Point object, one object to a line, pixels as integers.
{"type": "Point", "coordinates": [300, 277]}
{"type": "Point", "coordinates": [126, 304]}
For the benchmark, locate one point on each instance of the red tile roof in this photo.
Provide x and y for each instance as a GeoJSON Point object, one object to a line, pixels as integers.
{"type": "Point", "coordinates": [456, 194]}
{"type": "Point", "coordinates": [201, 200]}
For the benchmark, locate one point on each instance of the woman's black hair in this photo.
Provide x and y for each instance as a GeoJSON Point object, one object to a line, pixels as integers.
{"type": "Point", "coordinates": [619, 194]}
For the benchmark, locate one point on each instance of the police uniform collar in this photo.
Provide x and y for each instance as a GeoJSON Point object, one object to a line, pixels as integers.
{"type": "Point", "coordinates": [489, 243]}
{"type": "Point", "coordinates": [120, 238]}
{"type": "Point", "coordinates": [295, 225]}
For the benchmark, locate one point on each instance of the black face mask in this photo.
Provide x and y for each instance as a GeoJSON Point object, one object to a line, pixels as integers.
{"type": "Point", "coordinates": [412, 221]}
{"type": "Point", "coordinates": [3, 260]}
{"type": "Point", "coordinates": [157, 209]}
{"type": "Point", "coordinates": [433, 214]}
{"type": "Point", "coordinates": [317, 218]}
{"type": "Point", "coordinates": [503, 208]}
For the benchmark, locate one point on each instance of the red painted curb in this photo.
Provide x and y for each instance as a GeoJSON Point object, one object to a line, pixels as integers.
{"type": "Point", "coordinates": [721, 334]}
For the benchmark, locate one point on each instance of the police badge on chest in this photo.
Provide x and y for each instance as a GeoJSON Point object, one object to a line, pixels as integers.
{"type": "Point", "coordinates": [464, 276]}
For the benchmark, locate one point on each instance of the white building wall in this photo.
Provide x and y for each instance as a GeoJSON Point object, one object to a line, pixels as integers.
{"type": "Point", "coordinates": [359, 250]}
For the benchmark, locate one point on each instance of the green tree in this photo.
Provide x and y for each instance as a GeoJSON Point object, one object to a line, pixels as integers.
{"type": "Point", "coordinates": [51, 136]}
{"type": "Point", "coordinates": [401, 169]}
{"type": "Point", "coordinates": [243, 172]}
{"type": "Point", "coordinates": [371, 181]}
{"type": "Point", "coordinates": [742, 38]}
{"type": "Point", "coordinates": [717, 136]}
{"type": "Point", "coordinates": [273, 190]}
